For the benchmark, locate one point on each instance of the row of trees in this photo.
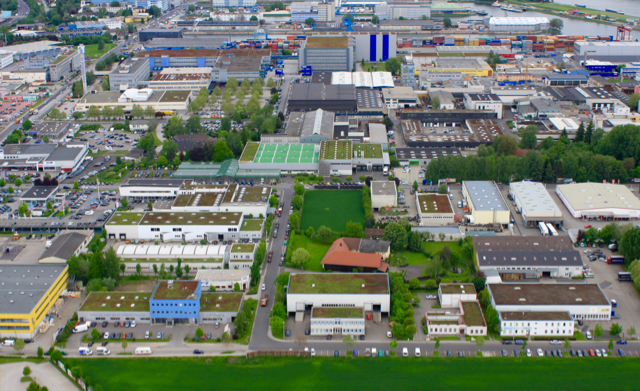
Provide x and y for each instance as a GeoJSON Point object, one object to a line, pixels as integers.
{"type": "Point", "coordinates": [402, 314]}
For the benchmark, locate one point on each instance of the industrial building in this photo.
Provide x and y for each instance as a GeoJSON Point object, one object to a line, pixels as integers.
{"type": "Point", "coordinates": [579, 300]}
{"type": "Point", "coordinates": [151, 188]}
{"type": "Point", "coordinates": [376, 80]}
{"type": "Point", "coordinates": [460, 312]}
{"type": "Point", "coordinates": [434, 209]}
{"type": "Point", "coordinates": [399, 98]}
{"type": "Point", "coordinates": [375, 47]}
{"type": "Point", "coordinates": [383, 194]}
{"type": "Point", "coordinates": [605, 201]}
{"type": "Point", "coordinates": [466, 66]}
{"type": "Point", "coordinates": [196, 256]}
{"type": "Point", "coordinates": [484, 102]}
{"type": "Point", "coordinates": [129, 75]}
{"type": "Point", "coordinates": [30, 294]}
{"type": "Point", "coordinates": [223, 280]}
{"type": "Point", "coordinates": [422, 156]}
{"type": "Point", "coordinates": [602, 50]}
{"type": "Point", "coordinates": [534, 204]}
{"type": "Point", "coordinates": [43, 157]}
{"type": "Point", "coordinates": [408, 10]}
{"type": "Point", "coordinates": [233, 3]}
{"type": "Point", "coordinates": [313, 96]}
{"type": "Point", "coordinates": [518, 24]}
{"type": "Point", "coordinates": [64, 65]}
{"type": "Point", "coordinates": [249, 200]}
{"type": "Point", "coordinates": [363, 255]}
{"type": "Point", "coordinates": [486, 204]}
{"type": "Point", "coordinates": [183, 79]}
{"type": "Point", "coordinates": [159, 100]}
{"type": "Point", "coordinates": [65, 245]}
{"type": "Point", "coordinates": [327, 54]}
{"type": "Point", "coordinates": [367, 292]}
{"type": "Point", "coordinates": [529, 264]}
{"type": "Point", "coordinates": [55, 131]}
{"type": "Point", "coordinates": [524, 243]}
{"type": "Point", "coordinates": [306, 127]}
{"type": "Point", "coordinates": [180, 226]}
{"type": "Point", "coordinates": [148, 34]}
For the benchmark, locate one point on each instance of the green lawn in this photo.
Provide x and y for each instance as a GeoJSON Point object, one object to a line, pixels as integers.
{"type": "Point", "coordinates": [92, 50]}
{"type": "Point", "coordinates": [444, 373]}
{"type": "Point", "coordinates": [317, 251]}
{"type": "Point", "coordinates": [332, 208]}
{"type": "Point", "coordinates": [419, 259]}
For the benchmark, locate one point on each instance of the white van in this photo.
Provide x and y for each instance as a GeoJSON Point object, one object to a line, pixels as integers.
{"type": "Point", "coordinates": [143, 351]}
{"type": "Point", "coordinates": [405, 352]}
{"type": "Point", "coordinates": [103, 351]}
{"type": "Point", "coordinates": [417, 352]}
{"type": "Point", "coordinates": [84, 351]}
{"type": "Point", "coordinates": [8, 342]}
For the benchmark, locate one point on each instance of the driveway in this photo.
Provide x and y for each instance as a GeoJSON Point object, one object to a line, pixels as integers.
{"type": "Point", "coordinates": [44, 374]}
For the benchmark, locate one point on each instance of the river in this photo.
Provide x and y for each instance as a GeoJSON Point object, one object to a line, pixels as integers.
{"type": "Point", "coordinates": [629, 7]}
{"type": "Point", "coordinates": [571, 26]}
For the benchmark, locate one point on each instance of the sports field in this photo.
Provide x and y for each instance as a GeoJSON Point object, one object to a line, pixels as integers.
{"type": "Point", "coordinates": [332, 208]}
{"type": "Point", "coordinates": [325, 373]}
{"type": "Point", "coordinates": [286, 153]}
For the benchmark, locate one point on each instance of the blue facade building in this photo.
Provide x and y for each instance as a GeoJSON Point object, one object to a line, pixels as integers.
{"type": "Point", "coordinates": [602, 68]}
{"type": "Point", "coordinates": [176, 302]}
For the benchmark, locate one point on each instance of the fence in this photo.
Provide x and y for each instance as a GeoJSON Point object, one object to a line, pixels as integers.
{"type": "Point", "coordinates": [279, 353]}
{"type": "Point", "coordinates": [338, 187]}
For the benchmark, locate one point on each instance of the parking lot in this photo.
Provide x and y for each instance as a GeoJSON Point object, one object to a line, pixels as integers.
{"type": "Point", "coordinates": [374, 331]}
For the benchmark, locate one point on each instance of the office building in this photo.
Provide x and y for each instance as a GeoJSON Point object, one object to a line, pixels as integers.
{"type": "Point", "coordinates": [129, 75]}
{"type": "Point", "coordinates": [64, 65]}
{"type": "Point", "coordinates": [484, 102]}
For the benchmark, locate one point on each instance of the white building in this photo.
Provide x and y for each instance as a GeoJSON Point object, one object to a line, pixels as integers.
{"type": "Point", "coordinates": [369, 291]}
{"type": "Point", "coordinates": [534, 203]}
{"type": "Point", "coordinates": [486, 204]}
{"type": "Point", "coordinates": [528, 264]}
{"type": "Point", "coordinates": [484, 102]}
{"type": "Point", "coordinates": [6, 58]}
{"type": "Point", "coordinates": [604, 200]}
{"type": "Point", "coordinates": [162, 4]}
{"type": "Point", "coordinates": [376, 46]}
{"type": "Point", "coordinates": [399, 97]}
{"type": "Point", "coordinates": [467, 320]}
{"type": "Point", "coordinates": [326, 12]}
{"type": "Point", "coordinates": [527, 306]}
{"type": "Point", "coordinates": [242, 256]}
{"type": "Point", "coordinates": [337, 321]}
{"type": "Point", "coordinates": [383, 194]}
{"type": "Point", "coordinates": [450, 295]}
{"type": "Point", "coordinates": [151, 188]}
{"type": "Point", "coordinates": [434, 209]}
{"type": "Point", "coordinates": [224, 280]}
{"type": "Point", "coordinates": [513, 24]}
{"type": "Point", "coordinates": [113, 23]}
{"type": "Point", "coordinates": [233, 3]}
{"type": "Point", "coordinates": [197, 256]}
{"type": "Point", "coordinates": [408, 10]}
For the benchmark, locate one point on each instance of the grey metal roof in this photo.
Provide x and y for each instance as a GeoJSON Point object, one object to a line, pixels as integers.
{"type": "Point", "coordinates": [485, 195]}
{"type": "Point", "coordinates": [40, 192]}
{"type": "Point", "coordinates": [318, 123]}
{"type": "Point", "coordinates": [538, 258]}
{"type": "Point", "coordinates": [66, 244]}
{"type": "Point", "coordinates": [23, 286]}
{"type": "Point", "coordinates": [383, 188]}
{"type": "Point", "coordinates": [547, 294]}
{"type": "Point", "coordinates": [517, 243]}
{"type": "Point", "coordinates": [534, 199]}
{"type": "Point", "coordinates": [426, 153]}
{"type": "Point", "coordinates": [28, 149]}
{"type": "Point", "coordinates": [49, 128]}
{"type": "Point", "coordinates": [65, 154]}
{"type": "Point", "coordinates": [316, 91]}
{"type": "Point", "coordinates": [371, 246]}
{"type": "Point", "coordinates": [565, 76]}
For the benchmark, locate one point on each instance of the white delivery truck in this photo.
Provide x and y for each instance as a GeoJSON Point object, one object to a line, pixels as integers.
{"type": "Point", "coordinates": [84, 351]}
{"type": "Point", "coordinates": [143, 351]}
{"type": "Point", "coordinates": [8, 342]}
{"type": "Point", "coordinates": [103, 351]}
{"type": "Point", "coordinates": [81, 327]}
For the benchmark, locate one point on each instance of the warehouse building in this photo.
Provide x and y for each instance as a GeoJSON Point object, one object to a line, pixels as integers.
{"type": "Point", "coordinates": [434, 209]}
{"type": "Point", "coordinates": [182, 79]}
{"type": "Point", "coordinates": [602, 50]}
{"type": "Point", "coordinates": [486, 204]}
{"type": "Point", "coordinates": [466, 66]}
{"type": "Point", "coordinates": [375, 80]}
{"type": "Point", "coordinates": [399, 98]}
{"type": "Point", "coordinates": [534, 204]}
{"type": "Point", "coordinates": [408, 10]}
{"type": "Point", "coordinates": [30, 293]}
{"type": "Point", "coordinates": [197, 256]}
{"type": "Point", "coordinates": [516, 24]}
{"type": "Point", "coordinates": [129, 75]}
{"type": "Point", "coordinates": [528, 264]}
{"type": "Point", "coordinates": [375, 47]}
{"type": "Point", "coordinates": [422, 156]}
{"type": "Point", "coordinates": [179, 226]}
{"type": "Point", "coordinates": [149, 34]}
{"type": "Point", "coordinates": [159, 100]}
{"type": "Point", "coordinates": [525, 243]}
{"type": "Point", "coordinates": [368, 292]}
{"type": "Point", "coordinates": [383, 194]}
{"type": "Point", "coordinates": [314, 96]}
{"type": "Point", "coordinates": [65, 245]}
{"type": "Point", "coordinates": [327, 54]}
{"type": "Point", "coordinates": [224, 280]}
{"type": "Point", "coordinates": [151, 188]}
{"type": "Point", "coordinates": [579, 300]}
{"type": "Point", "coordinates": [599, 201]}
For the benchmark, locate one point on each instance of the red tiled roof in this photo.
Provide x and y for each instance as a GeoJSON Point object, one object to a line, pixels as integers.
{"type": "Point", "coordinates": [341, 254]}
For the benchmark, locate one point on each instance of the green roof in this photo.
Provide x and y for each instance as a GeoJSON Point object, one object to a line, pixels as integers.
{"type": "Point", "coordinates": [336, 150]}
{"type": "Point", "coordinates": [457, 288]}
{"type": "Point", "coordinates": [243, 248]}
{"type": "Point", "coordinates": [337, 312]}
{"type": "Point", "coordinates": [346, 283]}
{"type": "Point", "coordinates": [175, 96]}
{"type": "Point", "coordinates": [371, 151]}
{"type": "Point", "coordinates": [220, 302]}
{"type": "Point", "coordinates": [249, 152]}
{"type": "Point", "coordinates": [181, 290]}
{"type": "Point", "coordinates": [251, 225]}
{"type": "Point", "coordinates": [472, 313]}
{"type": "Point", "coordinates": [434, 203]}
{"type": "Point", "coordinates": [126, 218]}
{"type": "Point", "coordinates": [116, 301]}
{"type": "Point", "coordinates": [286, 154]}
{"type": "Point", "coordinates": [176, 218]}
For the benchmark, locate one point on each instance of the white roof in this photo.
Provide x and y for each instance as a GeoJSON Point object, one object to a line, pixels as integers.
{"type": "Point", "coordinates": [594, 196]}
{"type": "Point", "coordinates": [382, 79]}
{"type": "Point", "coordinates": [362, 79]}
{"type": "Point", "coordinates": [517, 20]}
{"type": "Point", "coordinates": [564, 123]}
{"type": "Point", "coordinates": [136, 95]}
{"type": "Point", "coordinates": [535, 200]}
{"type": "Point", "coordinates": [341, 78]}
{"type": "Point", "coordinates": [189, 251]}
{"type": "Point", "coordinates": [222, 274]}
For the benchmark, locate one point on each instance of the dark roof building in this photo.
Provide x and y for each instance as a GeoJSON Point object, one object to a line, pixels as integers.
{"type": "Point", "coordinates": [65, 245]}
{"type": "Point", "coordinates": [521, 243]}
{"type": "Point", "coordinates": [40, 194]}
{"type": "Point", "coordinates": [187, 142]}
{"type": "Point", "coordinates": [313, 96]}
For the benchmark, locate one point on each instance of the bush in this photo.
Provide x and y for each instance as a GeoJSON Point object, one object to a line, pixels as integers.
{"type": "Point", "coordinates": [335, 179]}
{"type": "Point", "coordinates": [349, 179]}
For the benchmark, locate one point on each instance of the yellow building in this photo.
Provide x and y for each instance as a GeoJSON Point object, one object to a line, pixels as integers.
{"type": "Point", "coordinates": [28, 294]}
{"type": "Point", "coordinates": [486, 204]}
{"type": "Point", "coordinates": [466, 66]}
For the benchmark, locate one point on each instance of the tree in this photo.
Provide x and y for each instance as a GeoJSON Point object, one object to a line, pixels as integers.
{"type": "Point", "coordinates": [232, 84]}
{"type": "Point", "coordinates": [100, 45]}
{"type": "Point", "coordinates": [194, 125]}
{"type": "Point", "coordinates": [631, 331]}
{"type": "Point", "coordinates": [589, 133]}
{"type": "Point", "coordinates": [567, 344]}
{"type": "Point", "coordinates": [397, 235]}
{"type": "Point", "coordinates": [77, 90]}
{"type": "Point", "coordinates": [125, 345]}
{"type": "Point", "coordinates": [323, 234]}
{"type": "Point", "coordinates": [528, 137]}
{"type": "Point", "coordinates": [18, 345]}
{"type": "Point", "coordinates": [95, 334]}
{"type": "Point", "coordinates": [300, 257]}
{"type": "Point", "coordinates": [297, 202]}
{"type": "Point", "coordinates": [615, 329]}
{"type": "Point", "coordinates": [435, 103]}
{"type": "Point", "coordinates": [388, 123]}
{"type": "Point", "coordinates": [443, 188]}
{"type": "Point", "coordinates": [598, 331]}
{"type": "Point", "coordinates": [309, 21]}
{"type": "Point", "coordinates": [610, 346]}
{"type": "Point", "coordinates": [187, 269]}
{"type": "Point", "coordinates": [375, 19]}
{"type": "Point", "coordinates": [221, 152]}
{"type": "Point", "coordinates": [149, 112]}
{"type": "Point", "coordinates": [105, 84]}
{"type": "Point", "coordinates": [18, 182]}
{"type": "Point", "coordinates": [393, 65]}
{"type": "Point", "coordinates": [580, 133]}
{"type": "Point", "coordinates": [298, 189]}
{"type": "Point", "coordinates": [40, 352]}
{"type": "Point", "coordinates": [415, 241]}
{"type": "Point", "coordinates": [560, 65]}
{"type": "Point", "coordinates": [556, 24]}
{"type": "Point", "coordinates": [349, 342]}
{"type": "Point", "coordinates": [55, 355]}
{"type": "Point", "coordinates": [354, 230]}
{"type": "Point", "coordinates": [93, 112]}
{"type": "Point", "coordinates": [633, 101]}
{"type": "Point", "coordinates": [447, 22]}
{"type": "Point", "coordinates": [479, 342]}
{"type": "Point", "coordinates": [137, 111]}
{"type": "Point", "coordinates": [26, 371]}
{"type": "Point", "coordinates": [26, 125]}
{"type": "Point", "coordinates": [199, 333]}
{"type": "Point", "coordinates": [437, 346]}
{"type": "Point", "coordinates": [505, 145]}
{"type": "Point", "coordinates": [630, 244]}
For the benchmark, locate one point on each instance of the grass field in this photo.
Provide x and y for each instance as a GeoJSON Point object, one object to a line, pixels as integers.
{"type": "Point", "coordinates": [332, 208]}
{"type": "Point", "coordinates": [445, 373]}
{"type": "Point", "coordinates": [317, 251]}
{"type": "Point", "coordinates": [92, 50]}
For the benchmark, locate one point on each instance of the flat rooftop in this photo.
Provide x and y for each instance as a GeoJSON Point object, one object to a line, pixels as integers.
{"type": "Point", "coordinates": [282, 153]}
{"type": "Point", "coordinates": [183, 74]}
{"type": "Point", "coordinates": [251, 225]}
{"type": "Point", "coordinates": [367, 151]}
{"type": "Point", "coordinates": [472, 313]}
{"type": "Point", "coordinates": [327, 43]}
{"type": "Point", "coordinates": [535, 200]}
{"type": "Point", "coordinates": [220, 302]}
{"type": "Point", "coordinates": [591, 195]}
{"type": "Point", "coordinates": [383, 188]}
{"type": "Point", "coordinates": [181, 290]}
{"type": "Point", "coordinates": [243, 248]}
{"type": "Point", "coordinates": [521, 243]}
{"type": "Point", "coordinates": [39, 192]}
{"type": "Point", "coordinates": [176, 218]}
{"type": "Point", "coordinates": [485, 130]}
{"type": "Point", "coordinates": [548, 294]}
{"type": "Point", "coordinates": [154, 182]}
{"type": "Point", "coordinates": [460, 63]}
{"type": "Point", "coordinates": [538, 258]}
{"type": "Point", "coordinates": [117, 301]}
{"type": "Point", "coordinates": [336, 150]}
{"type": "Point", "coordinates": [485, 196]}
{"type": "Point", "coordinates": [536, 315]}
{"type": "Point", "coordinates": [434, 203]}
{"type": "Point", "coordinates": [338, 283]}
{"type": "Point", "coordinates": [426, 153]}
{"type": "Point", "coordinates": [337, 312]}
{"type": "Point", "coordinates": [457, 289]}
{"type": "Point", "coordinates": [22, 287]}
